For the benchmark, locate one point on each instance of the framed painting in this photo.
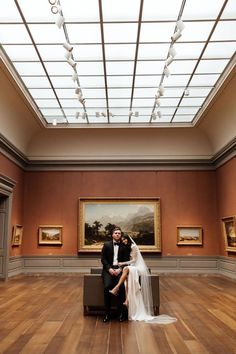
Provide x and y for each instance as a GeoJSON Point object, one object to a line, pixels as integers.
{"type": "Point", "coordinates": [229, 233]}
{"type": "Point", "coordinates": [189, 235]}
{"type": "Point", "coordinates": [50, 235]}
{"type": "Point", "coordinates": [138, 218]}
{"type": "Point", "coordinates": [17, 235]}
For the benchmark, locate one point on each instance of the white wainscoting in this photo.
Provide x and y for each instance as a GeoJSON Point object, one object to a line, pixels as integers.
{"type": "Point", "coordinates": [159, 265]}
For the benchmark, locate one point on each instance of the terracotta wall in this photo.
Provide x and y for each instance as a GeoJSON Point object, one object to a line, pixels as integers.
{"type": "Point", "coordinates": [226, 197]}
{"type": "Point", "coordinates": [187, 198]}
{"type": "Point", "coordinates": [11, 170]}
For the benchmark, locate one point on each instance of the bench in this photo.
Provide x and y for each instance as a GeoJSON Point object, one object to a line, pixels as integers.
{"type": "Point", "coordinates": [93, 300]}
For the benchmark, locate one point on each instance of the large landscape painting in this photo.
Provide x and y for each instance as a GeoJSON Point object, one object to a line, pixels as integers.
{"type": "Point", "coordinates": [138, 218]}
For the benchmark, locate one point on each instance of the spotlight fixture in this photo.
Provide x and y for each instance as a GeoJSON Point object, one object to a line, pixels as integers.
{"type": "Point", "coordinates": [153, 115]}
{"type": "Point", "coordinates": [97, 114]}
{"type": "Point", "coordinates": [68, 46]}
{"type": "Point", "coordinates": [75, 77]}
{"type": "Point", "coordinates": [111, 114]}
{"type": "Point", "coordinates": [54, 10]}
{"type": "Point", "coordinates": [103, 114]}
{"type": "Point", "coordinates": [180, 25]}
{"type": "Point", "coordinates": [186, 92]}
{"type": "Point", "coordinates": [172, 52]}
{"type": "Point", "coordinates": [159, 114]}
{"type": "Point", "coordinates": [71, 62]}
{"type": "Point", "coordinates": [169, 60]}
{"type": "Point", "coordinates": [176, 36]}
{"type": "Point", "coordinates": [67, 55]}
{"type": "Point", "coordinates": [77, 114]}
{"type": "Point", "coordinates": [136, 114]}
{"type": "Point", "coordinates": [60, 21]}
{"type": "Point", "coordinates": [166, 71]}
{"type": "Point", "coordinates": [84, 115]}
{"type": "Point", "coordinates": [161, 90]}
{"type": "Point", "coordinates": [157, 102]}
{"type": "Point", "coordinates": [54, 122]}
{"type": "Point", "coordinates": [77, 91]}
{"type": "Point", "coordinates": [130, 114]}
{"type": "Point", "coordinates": [52, 2]}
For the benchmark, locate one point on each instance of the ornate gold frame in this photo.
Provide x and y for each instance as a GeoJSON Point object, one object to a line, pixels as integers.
{"type": "Point", "coordinates": [91, 238]}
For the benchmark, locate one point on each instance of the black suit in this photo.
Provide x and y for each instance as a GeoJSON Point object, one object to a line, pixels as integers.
{"type": "Point", "coordinates": [110, 281]}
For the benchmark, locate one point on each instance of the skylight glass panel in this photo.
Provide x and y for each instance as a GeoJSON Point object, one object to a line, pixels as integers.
{"type": "Point", "coordinates": [57, 68]}
{"type": "Point", "coordinates": [116, 93]}
{"type": "Point", "coordinates": [51, 112]}
{"type": "Point", "coordinates": [156, 32]}
{"type": "Point", "coordinates": [182, 67]}
{"type": "Point", "coordinates": [10, 13]}
{"type": "Point", "coordinates": [211, 66]}
{"type": "Point", "coordinates": [62, 82]}
{"type": "Point", "coordinates": [196, 31]}
{"type": "Point", "coordinates": [37, 10]}
{"type": "Point", "coordinates": [143, 102]}
{"type": "Point", "coordinates": [153, 51]}
{"type": "Point", "coordinates": [151, 80]}
{"type": "Point", "coordinates": [87, 52]}
{"type": "Point", "coordinates": [187, 110]}
{"type": "Point", "coordinates": [202, 80]}
{"type": "Point", "coordinates": [167, 110]}
{"type": "Point", "coordinates": [167, 10]}
{"type": "Point", "coordinates": [140, 119]}
{"type": "Point", "coordinates": [96, 103]}
{"type": "Point", "coordinates": [90, 68]}
{"type": "Point", "coordinates": [51, 52]}
{"type": "Point", "coordinates": [8, 34]}
{"type": "Point", "coordinates": [229, 10]}
{"type": "Point", "coordinates": [120, 32]}
{"type": "Point", "coordinates": [199, 92]}
{"type": "Point", "coordinates": [97, 120]}
{"type": "Point", "coordinates": [79, 10]}
{"type": "Point", "coordinates": [119, 103]}
{"type": "Point", "coordinates": [202, 9]}
{"type": "Point", "coordinates": [19, 52]}
{"type": "Point", "coordinates": [183, 118]}
{"type": "Point", "coordinates": [173, 92]}
{"type": "Point", "coordinates": [91, 81]}
{"type": "Point", "coordinates": [120, 68]}
{"type": "Point", "coordinates": [25, 68]}
{"type": "Point", "coordinates": [93, 93]}
{"type": "Point", "coordinates": [145, 92]}
{"type": "Point", "coordinates": [72, 102]}
{"type": "Point", "coordinates": [190, 101]}
{"type": "Point", "coordinates": [217, 50]}
{"type": "Point", "coordinates": [150, 67]}
{"type": "Point", "coordinates": [42, 93]}
{"type": "Point", "coordinates": [177, 80]}
{"type": "Point", "coordinates": [120, 51]}
{"type": "Point", "coordinates": [119, 81]}
{"type": "Point", "coordinates": [47, 103]}
{"type": "Point", "coordinates": [36, 82]}
{"type": "Point", "coordinates": [115, 11]}
{"type": "Point", "coordinates": [225, 30]}
{"type": "Point", "coordinates": [188, 50]}
{"type": "Point", "coordinates": [168, 102]}
{"type": "Point", "coordinates": [47, 33]}
{"type": "Point", "coordinates": [84, 33]}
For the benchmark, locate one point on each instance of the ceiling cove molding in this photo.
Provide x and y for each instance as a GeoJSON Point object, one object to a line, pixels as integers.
{"type": "Point", "coordinates": [221, 157]}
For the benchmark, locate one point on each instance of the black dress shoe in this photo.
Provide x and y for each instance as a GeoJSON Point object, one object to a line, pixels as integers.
{"type": "Point", "coordinates": [122, 318]}
{"type": "Point", "coordinates": [106, 319]}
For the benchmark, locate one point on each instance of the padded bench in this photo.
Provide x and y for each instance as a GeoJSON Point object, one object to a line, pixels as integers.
{"type": "Point", "coordinates": [93, 300]}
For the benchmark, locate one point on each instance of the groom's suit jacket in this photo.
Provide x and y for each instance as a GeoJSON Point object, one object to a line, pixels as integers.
{"type": "Point", "coordinates": [108, 253]}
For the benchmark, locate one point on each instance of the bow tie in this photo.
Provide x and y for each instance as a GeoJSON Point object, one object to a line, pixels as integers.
{"type": "Point", "coordinates": [116, 244]}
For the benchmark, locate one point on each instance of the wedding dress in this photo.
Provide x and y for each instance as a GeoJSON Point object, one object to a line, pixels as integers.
{"type": "Point", "coordinates": [139, 291]}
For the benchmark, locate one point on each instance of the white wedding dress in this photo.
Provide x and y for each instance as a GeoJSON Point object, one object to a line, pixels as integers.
{"type": "Point", "coordinates": [139, 291]}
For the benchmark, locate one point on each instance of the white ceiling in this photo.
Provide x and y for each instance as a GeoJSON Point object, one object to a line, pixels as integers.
{"type": "Point", "coordinates": [120, 49]}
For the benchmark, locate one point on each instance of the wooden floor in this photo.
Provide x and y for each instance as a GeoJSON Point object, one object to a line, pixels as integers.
{"type": "Point", "coordinates": [44, 314]}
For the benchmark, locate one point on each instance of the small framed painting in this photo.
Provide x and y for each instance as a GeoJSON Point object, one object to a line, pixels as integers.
{"type": "Point", "coordinates": [17, 235]}
{"type": "Point", "coordinates": [50, 235]}
{"type": "Point", "coordinates": [229, 233]}
{"type": "Point", "coordinates": [189, 235]}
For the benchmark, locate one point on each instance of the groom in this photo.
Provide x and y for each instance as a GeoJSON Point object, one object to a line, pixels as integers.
{"type": "Point", "coordinates": [113, 252]}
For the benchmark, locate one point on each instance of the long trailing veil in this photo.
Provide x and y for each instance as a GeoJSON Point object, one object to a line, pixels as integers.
{"type": "Point", "coordinates": [146, 314]}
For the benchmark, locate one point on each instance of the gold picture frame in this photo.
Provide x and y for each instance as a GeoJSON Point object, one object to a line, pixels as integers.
{"type": "Point", "coordinates": [137, 217]}
{"type": "Point", "coordinates": [17, 235]}
{"type": "Point", "coordinates": [229, 233]}
{"type": "Point", "coordinates": [189, 235]}
{"type": "Point", "coordinates": [50, 235]}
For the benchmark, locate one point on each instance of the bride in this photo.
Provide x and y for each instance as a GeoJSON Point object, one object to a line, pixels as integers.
{"type": "Point", "coordinates": [138, 287]}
